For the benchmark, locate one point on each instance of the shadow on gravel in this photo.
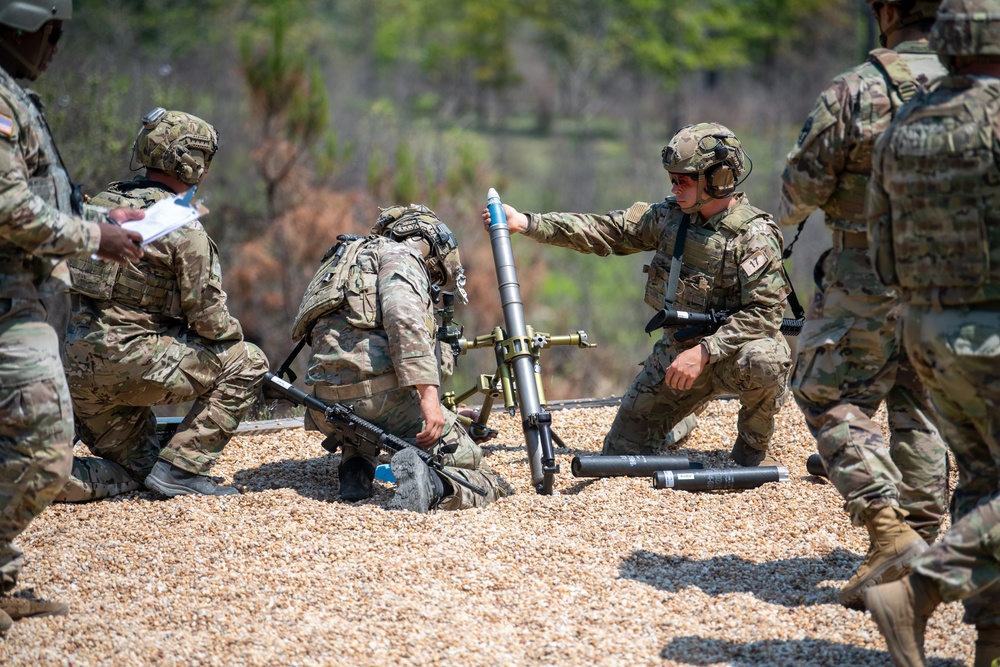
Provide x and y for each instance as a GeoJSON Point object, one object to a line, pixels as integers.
{"type": "Point", "coordinates": [311, 478]}
{"type": "Point", "coordinates": [790, 583]}
{"type": "Point", "coordinates": [799, 652]}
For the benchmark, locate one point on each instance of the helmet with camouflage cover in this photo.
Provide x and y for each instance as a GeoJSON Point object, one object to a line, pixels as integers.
{"type": "Point", "coordinates": [176, 143]}
{"type": "Point", "coordinates": [710, 151]}
{"type": "Point", "coordinates": [967, 29]}
{"type": "Point", "coordinates": [30, 15]}
{"type": "Point", "coordinates": [421, 229]}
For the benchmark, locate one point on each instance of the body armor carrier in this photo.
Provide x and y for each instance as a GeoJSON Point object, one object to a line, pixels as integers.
{"type": "Point", "coordinates": [943, 184]}
{"type": "Point", "coordinates": [347, 274]}
{"type": "Point", "coordinates": [848, 199]}
{"type": "Point", "coordinates": [48, 181]}
{"type": "Point", "coordinates": [142, 285]}
{"type": "Point", "coordinates": [706, 281]}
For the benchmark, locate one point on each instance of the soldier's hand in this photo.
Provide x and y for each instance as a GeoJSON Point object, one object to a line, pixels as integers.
{"type": "Point", "coordinates": [686, 368]}
{"type": "Point", "coordinates": [117, 244]}
{"type": "Point", "coordinates": [430, 408]}
{"type": "Point", "coordinates": [516, 221]}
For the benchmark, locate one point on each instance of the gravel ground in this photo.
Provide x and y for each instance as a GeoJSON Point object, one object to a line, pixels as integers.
{"type": "Point", "coordinates": [606, 572]}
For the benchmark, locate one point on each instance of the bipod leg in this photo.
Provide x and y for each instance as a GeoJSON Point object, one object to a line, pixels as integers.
{"type": "Point", "coordinates": [556, 439]}
{"type": "Point", "coordinates": [541, 423]}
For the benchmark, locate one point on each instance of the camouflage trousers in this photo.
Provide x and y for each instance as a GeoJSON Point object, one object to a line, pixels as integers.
{"type": "Point", "coordinates": [757, 374]}
{"type": "Point", "coordinates": [958, 356]}
{"type": "Point", "coordinates": [849, 361]}
{"type": "Point", "coordinates": [398, 412]}
{"type": "Point", "coordinates": [116, 421]}
{"type": "Point", "coordinates": [36, 424]}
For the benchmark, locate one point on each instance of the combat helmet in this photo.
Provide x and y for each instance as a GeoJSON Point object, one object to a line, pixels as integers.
{"type": "Point", "coordinates": [32, 16]}
{"type": "Point", "coordinates": [176, 143]}
{"type": "Point", "coordinates": [710, 151]}
{"type": "Point", "coordinates": [968, 29]}
{"type": "Point", "coordinates": [421, 229]}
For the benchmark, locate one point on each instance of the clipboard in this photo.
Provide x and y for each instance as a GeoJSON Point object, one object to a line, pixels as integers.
{"type": "Point", "coordinates": [165, 216]}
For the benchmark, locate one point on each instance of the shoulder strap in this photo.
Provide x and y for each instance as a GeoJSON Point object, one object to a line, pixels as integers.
{"type": "Point", "coordinates": [899, 75]}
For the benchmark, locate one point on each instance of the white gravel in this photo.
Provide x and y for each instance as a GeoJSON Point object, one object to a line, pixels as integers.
{"type": "Point", "coordinates": [607, 572]}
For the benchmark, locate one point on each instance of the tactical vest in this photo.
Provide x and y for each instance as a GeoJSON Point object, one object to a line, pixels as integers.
{"type": "Point", "coordinates": [348, 274]}
{"type": "Point", "coordinates": [140, 285]}
{"type": "Point", "coordinates": [941, 175]}
{"type": "Point", "coordinates": [707, 279]}
{"type": "Point", "coordinates": [22, 274]}
{"type": "Point", "coordinates": [848, 199]}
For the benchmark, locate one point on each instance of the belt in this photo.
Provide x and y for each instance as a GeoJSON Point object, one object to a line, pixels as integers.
{"type": "Point", "coordinates": [844, 239]}
{"type": "Point", "coordinates": [326, 392]}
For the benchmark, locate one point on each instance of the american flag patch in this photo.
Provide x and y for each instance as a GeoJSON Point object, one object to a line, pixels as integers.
{"type": "Point", "coordinates": [6, 125]}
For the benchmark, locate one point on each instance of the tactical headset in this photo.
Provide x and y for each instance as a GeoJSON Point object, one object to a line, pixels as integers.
{"type": "Point", "coordinates": [720, 178]}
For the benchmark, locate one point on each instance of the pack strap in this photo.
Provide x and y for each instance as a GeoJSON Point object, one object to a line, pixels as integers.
{"type": "Point", "coordinates": [898, 73]}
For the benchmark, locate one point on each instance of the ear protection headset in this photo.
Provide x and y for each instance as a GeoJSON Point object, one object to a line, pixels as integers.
{"type": "Point", "coordinates": [720, 178]}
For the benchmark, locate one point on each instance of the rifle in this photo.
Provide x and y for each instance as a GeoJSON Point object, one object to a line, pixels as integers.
{"type": "Point", "coordinates": [358, 430]}
{"type": "Point", "coordinates": [698, 324]}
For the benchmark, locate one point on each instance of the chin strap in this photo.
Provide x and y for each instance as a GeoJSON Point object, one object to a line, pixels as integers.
{"type": "Point", "coordinates": [694, 208]}
{"type": "Point", "coordinates": [34, 69]}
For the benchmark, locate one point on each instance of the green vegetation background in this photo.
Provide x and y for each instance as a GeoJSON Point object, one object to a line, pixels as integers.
{"type": "Point", "coordinates": [330, 108]}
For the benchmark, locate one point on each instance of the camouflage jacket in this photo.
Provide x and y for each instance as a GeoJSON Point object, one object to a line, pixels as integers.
{"type": "Point", "coordinates": [386, 323]}
{"type": "Point", "coordinates": [830, 164]}
{"type": "Point", "coordinates": [732, 261]}
{"type": "Point", "coordinates": [37, 229]}
{"type": "Point", "coordinates": [176, 287]}
{"type": "Point", "coordinates": [933, 202]}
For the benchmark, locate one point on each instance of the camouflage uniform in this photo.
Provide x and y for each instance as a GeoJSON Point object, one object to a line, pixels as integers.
{"type": "Point", "coordinates": [371, 351]}
{"type": "Point", "coordinates": [849, 358]}
{"type": "Point", "coordinates": [38, 233]}
{"type": "Point", "coordinates": [153, 333]}
{"type": "Point", "coordinates": [731, 261]}
{"type": "Point", "coordinates": [934, 216]}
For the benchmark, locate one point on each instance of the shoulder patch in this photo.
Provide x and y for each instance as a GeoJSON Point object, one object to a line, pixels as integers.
{"type": "Point", "coordinates": [636, 211]}
{"type": "Point", "coordinates": [753, 264]}
{"type": "Point", "coordinates": [6, 126]}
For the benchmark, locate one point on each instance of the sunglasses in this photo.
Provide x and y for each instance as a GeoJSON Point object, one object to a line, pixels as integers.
{"type": "Point", "coordinates": [679, 181]}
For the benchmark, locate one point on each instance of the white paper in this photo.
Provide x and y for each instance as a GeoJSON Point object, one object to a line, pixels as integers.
{"type": "Point", "coordinates": [162, 218]}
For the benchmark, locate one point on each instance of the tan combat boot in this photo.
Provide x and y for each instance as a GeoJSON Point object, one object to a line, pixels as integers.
{"type": "Point", "coordinates": [901, 609]}
{"type": "Point", "coordinates": [5, 622]}
{"type": "Point", "coordinates": [893, 545]}
{"type": "Point", "coordinates": [987, 646]}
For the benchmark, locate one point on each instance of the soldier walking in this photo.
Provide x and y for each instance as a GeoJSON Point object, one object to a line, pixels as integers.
{"type": "Point", "coordinates": [849, 357]}
{"type": "Point", "coordinates": [934, 219]}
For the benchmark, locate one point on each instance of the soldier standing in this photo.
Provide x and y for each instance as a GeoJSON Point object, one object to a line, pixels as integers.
{"type": "Point", "coordinates": [369, 318]}
{"type": "Point", "coordinates": [730, 260]}
{"type": "Point", "coordinates": [849, 357]}
{"type": "Point", "coordinates": [934, 216]}
{"type": "Point", "coordinates": [39, 229]}
{"type": "Point", "coordinates": [157, 332]}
